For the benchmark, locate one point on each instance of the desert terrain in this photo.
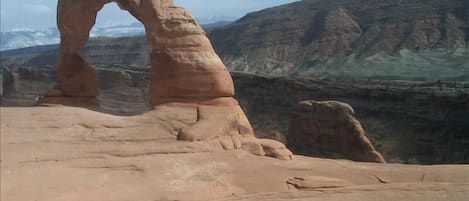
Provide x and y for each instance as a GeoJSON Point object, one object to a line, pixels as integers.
{"type": "Point", "coordinates": [72, 153]}
{"type": "Point", "coordinates": [319, 100]}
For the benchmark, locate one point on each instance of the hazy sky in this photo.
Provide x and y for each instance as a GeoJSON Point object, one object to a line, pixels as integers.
{"type": "Point", "coordinates": [40, 14]}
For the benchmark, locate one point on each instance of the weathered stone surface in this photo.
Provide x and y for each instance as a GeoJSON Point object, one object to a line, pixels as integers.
{"type": "Point", "coordinates": [329, 129]}
{"type": "Point", "coordinates": [185, 70]}
{"type": "Point", "coordinates": [74, 154]}
{"type": "Point", "coordinates": [184, 64]}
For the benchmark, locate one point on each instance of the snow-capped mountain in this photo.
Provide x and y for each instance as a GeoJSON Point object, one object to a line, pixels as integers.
{"type": "Point", "coordinates": [133, 29]}
{"type": "Point", "coordinates": [26, 38]}
{"type": "Point", "coordinates": [16, 39]}
{"type": "Point", "coordinates": [21, 38]}
{"type": "Point", "coordinates": [215, 19]}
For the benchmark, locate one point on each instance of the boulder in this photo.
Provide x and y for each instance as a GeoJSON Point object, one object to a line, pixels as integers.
{"type": "Point", "coordinates": [329, 129]}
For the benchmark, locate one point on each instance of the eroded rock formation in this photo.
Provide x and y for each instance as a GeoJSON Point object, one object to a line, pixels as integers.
{"type": "Point", "coordinates": [337, 38]}
{"type": "Point", "coordinates": [185, 71]}
{"type": "Point", "coordinates": [75, 154]}
{"type": "Point", "coordinates": [329, 129]}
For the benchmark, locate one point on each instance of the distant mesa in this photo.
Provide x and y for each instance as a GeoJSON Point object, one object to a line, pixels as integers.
{"type": "Point", "coordinates": [390, 39]}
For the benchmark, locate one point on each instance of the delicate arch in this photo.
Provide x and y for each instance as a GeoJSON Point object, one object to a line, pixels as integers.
{"type": "Point", "coordinates": [184, 64]}
{"type": "Point", "coordinates": [185, 70]}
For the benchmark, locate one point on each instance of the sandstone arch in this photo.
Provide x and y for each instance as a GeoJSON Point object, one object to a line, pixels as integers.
{"type": "Point", "coordinates": [186, 71]}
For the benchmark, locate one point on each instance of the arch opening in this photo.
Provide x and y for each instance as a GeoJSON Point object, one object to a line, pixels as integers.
{"type": "Point", "coordinates": [112, 21]}
{"type": "Point", "coordinates": [184, 65]}
{"type": "Point", "coordinates": [123, 75]}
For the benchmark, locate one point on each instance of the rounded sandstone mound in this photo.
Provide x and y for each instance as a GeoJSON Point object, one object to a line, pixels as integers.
{"type": "Point", "coordinates": [75, 154]}
{"type": "Point", "coordinates": [329, 129]}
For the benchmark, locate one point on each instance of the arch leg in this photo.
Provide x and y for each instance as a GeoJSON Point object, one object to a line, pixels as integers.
{"type": "Point", "coordinates": [75, 77]}
{"type": "Point", "coordinates": [186, 72]}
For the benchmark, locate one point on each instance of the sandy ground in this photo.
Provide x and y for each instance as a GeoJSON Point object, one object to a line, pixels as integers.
{"type": "Point", "coordinates": [75, 154]}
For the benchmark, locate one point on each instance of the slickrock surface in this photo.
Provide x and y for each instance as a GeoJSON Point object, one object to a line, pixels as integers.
{"type": "Point", "coordinates": [329, 129]}
{"type": "Point", "coordinates": [67, 153]}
